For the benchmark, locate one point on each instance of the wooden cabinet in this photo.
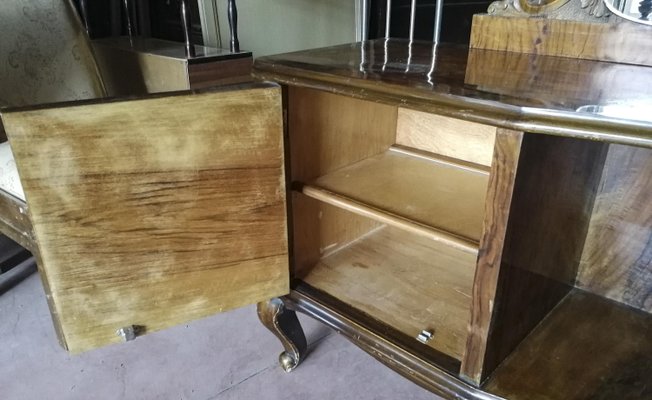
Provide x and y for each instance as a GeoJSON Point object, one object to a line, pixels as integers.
{"type": "Point", "coordinates": [470, 230]}
{"type": "Point", "coordinates": [457, 215]}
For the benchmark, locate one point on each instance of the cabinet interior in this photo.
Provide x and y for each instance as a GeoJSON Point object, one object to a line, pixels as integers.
{"type": "Point", "coordinates": [382, 222]}
{"type": "Point", "coordinates": [390, 207]}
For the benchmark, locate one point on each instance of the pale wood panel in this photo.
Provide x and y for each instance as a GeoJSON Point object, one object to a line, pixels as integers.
{"type": "Point", "coordinates": [497, 208]}
{"type": "Point", "coordinates": [408, 282]}
{"type": "Point", "coordinates": [320, 229]}
{"type": "Point", "coordinates": [328, 131]}
{"type": "Point", "coordinates": [618, 42]}
{"type": "Point", "coordinates": [417, 189]}
{"type": "Point", "coordinates": [587, 348]}
{"type": "Point", "coordinates": [147, 215]}
{"type": "Point", "coordinates": [447, 136]}
{"type": "Point", "coordinates": [617, 257]}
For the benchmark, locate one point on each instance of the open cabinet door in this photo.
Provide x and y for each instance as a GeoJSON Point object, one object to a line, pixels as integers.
{"type": "Point", "coordinates": [154, 212]}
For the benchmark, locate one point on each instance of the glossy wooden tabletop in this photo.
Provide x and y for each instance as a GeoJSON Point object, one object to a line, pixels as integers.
{"type": "Point", "coordinates": [554, 95]}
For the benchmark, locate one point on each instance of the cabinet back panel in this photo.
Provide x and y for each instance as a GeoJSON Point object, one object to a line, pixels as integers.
{"type": "Point", "coordinates": [328, 131]}
{"type": "Point", "coordinates": [617, 257]}
{"type": "Point", "coordinates": [463, 140]}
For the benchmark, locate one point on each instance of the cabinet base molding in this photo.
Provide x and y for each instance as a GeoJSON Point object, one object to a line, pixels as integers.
{"type": "Point", "coordinates": [308, 301]}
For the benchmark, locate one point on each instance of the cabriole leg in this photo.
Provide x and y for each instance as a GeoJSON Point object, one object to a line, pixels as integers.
{"type": "Point", "coordinates": [285, 325]}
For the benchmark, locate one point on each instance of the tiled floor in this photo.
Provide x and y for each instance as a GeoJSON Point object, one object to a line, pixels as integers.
{"type": "Point", "coordinates": [228, 356]}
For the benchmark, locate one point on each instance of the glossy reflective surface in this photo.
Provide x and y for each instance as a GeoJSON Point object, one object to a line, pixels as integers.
{"type": "Point", "coordinates": [524, 91]}
{"type": "Point", "coordinates": [633, 10]}
{"type": "Point", "coordinates": [166, 48]}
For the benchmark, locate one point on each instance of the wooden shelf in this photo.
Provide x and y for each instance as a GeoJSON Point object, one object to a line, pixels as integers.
{"type": "Point", "coordinates": [587, 348]}
{"type": "Point", "coordinates": [406, 281]}
{"type": "Point", "coordinates": [433, 197]}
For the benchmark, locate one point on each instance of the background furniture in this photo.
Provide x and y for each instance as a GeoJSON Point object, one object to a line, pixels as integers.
{"type": "Point", "coordinates": [39, 67]}
{"type": "Point", "coordinates": [132, 62]}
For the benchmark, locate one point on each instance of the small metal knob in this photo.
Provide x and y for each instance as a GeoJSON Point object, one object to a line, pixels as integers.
{"type": "Point", "coordinates": [425, 336]}
{"type": "Point", "coordinates": [128, 333]}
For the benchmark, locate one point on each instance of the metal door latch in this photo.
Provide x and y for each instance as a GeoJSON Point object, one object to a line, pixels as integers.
{"type": "Point", "coordinates": [425, 336]}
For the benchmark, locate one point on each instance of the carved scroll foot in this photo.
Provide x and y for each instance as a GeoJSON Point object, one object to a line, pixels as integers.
{"type": "Point", "coordinates": [285, 325]}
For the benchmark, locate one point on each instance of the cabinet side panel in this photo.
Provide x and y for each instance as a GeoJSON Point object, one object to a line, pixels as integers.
{"type": "Point", "coordinates": [554, 191]}
{"type": "Point", "coordinates": [498, 201]}
{"type": "Point", "coordinates": [328, 131]}
{"type": "Point", "coordinates": [617, 257]}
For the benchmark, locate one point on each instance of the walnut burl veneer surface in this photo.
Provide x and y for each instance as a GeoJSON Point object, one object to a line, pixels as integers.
{"type": "Point", "coordinates": [146, 215]}
{"type": "Point", "coordinates": [431, 78]}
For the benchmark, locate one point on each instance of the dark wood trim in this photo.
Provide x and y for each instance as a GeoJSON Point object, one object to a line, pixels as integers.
{"type": "Point", "coordinates": [556, 183]}
{"type": "Point", "coordinates": [402, 361]}
{"type": "Point", "coordinates": [499, 198]}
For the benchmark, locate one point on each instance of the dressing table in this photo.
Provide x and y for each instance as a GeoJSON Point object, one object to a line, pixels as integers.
{"type": "Point", "coordinates": [477, 220]}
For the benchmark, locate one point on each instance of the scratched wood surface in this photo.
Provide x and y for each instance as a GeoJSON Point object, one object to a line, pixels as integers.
{"type": "Point", "coordinates": [409, 282]}
{"type": "Point", "coordinates": [148, 215]}
{"type": "Point", "coordinates": [617, 257]}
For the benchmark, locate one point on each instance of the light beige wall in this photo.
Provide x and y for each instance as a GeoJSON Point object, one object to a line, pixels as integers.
{"type": "Point", "coordinates": [279, 26]}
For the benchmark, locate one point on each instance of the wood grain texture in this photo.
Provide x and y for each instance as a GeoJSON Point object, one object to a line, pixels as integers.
{"type": "Point", "coordinates": [497, 207]}
{"type": "Point", "coordinates": [555, 187]}
{"type": "Point", "coordinates": [328, 132]}
{"type": "Point", "coordinates": [617, 257]}
{"type": "Point", "coordinates": [146, 215]}
{"type": "Point", "coordinates": [587, 348]}
{"type": "Point", "coordinates": [377, 71]}
{"type": "Point", "coordinates": [450, 137]}
{"type": "Point", "coordinates": [565, 38]}
{"type": "Point", "coordinates": [220, 73]}
{"type": "Point", "coordinates": [405, 281]}
{"type": "Point", "coordinates": [442, 196]}
{"type": "Point", "coordinates": [556, 82]}
{"type": "Point", "coordinates": [320, 229]}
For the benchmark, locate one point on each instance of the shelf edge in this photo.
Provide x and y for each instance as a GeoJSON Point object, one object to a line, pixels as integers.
{"type": "Point", "coordinates": [334, 199]}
